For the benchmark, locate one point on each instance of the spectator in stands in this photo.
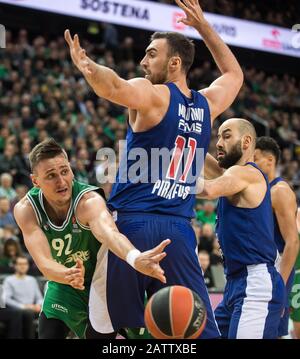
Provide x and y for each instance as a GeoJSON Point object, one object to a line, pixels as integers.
{"type": "Point", "coordinates": [80, 172]}
{"type": "Point", "coordinates": [6, 215]}
{"type": "Point", "coordinates": [10, 162]}
{"type": "Point", "coordinates": [207, 214]}
{"type": "Point", "coordinates": [11, 250]}
{"type": "Point", "coordinates": [205, 265]}
{"type": "Point", "coordinates": [21, 191]}
{"type": "Point", "coordinates": [206, 238]}
{"type": "Point", "coordinates": [6, 189]}
{"type": "Point", "coordinates": [22, 292]}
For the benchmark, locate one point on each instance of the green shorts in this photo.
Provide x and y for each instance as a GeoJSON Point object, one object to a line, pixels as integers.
{"type": "Point", "coordinates": [67, 304]}
{"type": "Point", "coordinates": [295, 298]}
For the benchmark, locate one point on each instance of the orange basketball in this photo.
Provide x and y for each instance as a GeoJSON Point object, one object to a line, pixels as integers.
{"type": "Point", "coordinates": [175, 312]}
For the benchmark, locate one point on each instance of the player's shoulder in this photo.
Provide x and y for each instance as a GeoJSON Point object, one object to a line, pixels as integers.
{"type": "Point", "coordinates": [88, 198]}
{"type": "Point", "coordinates": [282, 191]}
{"type": "Point", "coordinates": [157, 89]}
{"type": "Point", "coordinates": [23, 211]}
{"type": "Point", "coordinates": [246, 172]}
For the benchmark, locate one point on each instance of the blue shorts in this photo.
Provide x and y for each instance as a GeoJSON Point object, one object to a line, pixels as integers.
{"type": "Point", "coordinates": [252, 304]}
{"type": "Point", "coordinates": [126, 288]}
{"type": "Point", "coordinates": [284, 321]}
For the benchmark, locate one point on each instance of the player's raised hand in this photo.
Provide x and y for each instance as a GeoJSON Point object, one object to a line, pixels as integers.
{"type": "Point", "coordinates": [78, 55]}
{"type": "Point", "coordinates": [148, 262]}
{"type": "Point", "coordinates": [193, 12]}
{"type": "Point", "coordinates": [75, 275]}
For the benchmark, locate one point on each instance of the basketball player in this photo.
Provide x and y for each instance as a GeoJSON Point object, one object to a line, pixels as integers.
{"type": "Point", "coordinates": [284, 206]}
{"type": "Point", "coordinates": [163, 113]}
{"type": "Point", "coordinates": [64, 222]}
{"type": "Point", "coordinates": [295, 292]}
{"type": "Point", "coordinates": [254, 293]}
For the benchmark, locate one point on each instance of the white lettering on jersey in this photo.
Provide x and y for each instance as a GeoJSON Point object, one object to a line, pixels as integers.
{"type": "Point", "coordinates": [191, 119]}
{"type": "Point", "coordinates": [165, 190]}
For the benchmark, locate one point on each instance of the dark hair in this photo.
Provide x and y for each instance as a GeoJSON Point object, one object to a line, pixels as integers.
{"type": "Point", "coordinates": [10, 242]}
{"type": "Point", "coordinates": [268, 144]}
{"type": "Point", "coordinates": [179, 45]}
{"type": "Point", "coordinates": [47, 149]}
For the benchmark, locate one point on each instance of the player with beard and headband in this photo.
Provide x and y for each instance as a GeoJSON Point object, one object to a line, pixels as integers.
{"type": "Point", "coordinates": [254, 294]}
{"type": "Point", "coordinates": [164, 114]}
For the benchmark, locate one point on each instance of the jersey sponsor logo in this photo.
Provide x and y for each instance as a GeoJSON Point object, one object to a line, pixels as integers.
{"type": "Point", "coordinates": [83, 255]}
{"type": "Point", "coordinates": [60, 308]}
{"type": "Point", "coordinates": [191, 119]}
{"type": "Point", "coordinates": [76, 228]}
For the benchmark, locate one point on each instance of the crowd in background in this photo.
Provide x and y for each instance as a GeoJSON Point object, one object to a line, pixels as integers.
{"type": "Point", "coordinates": [43, 95]}
{"type": "Point", "coordinates": [277, 12]}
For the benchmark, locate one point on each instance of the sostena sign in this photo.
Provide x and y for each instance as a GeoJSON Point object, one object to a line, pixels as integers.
{"type": "Point", "coordinates": [160, 17]}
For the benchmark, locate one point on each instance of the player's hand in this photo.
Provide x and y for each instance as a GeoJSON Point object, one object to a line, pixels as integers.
{"type": "Point", "coordinates": [78, 55]}
{"type": "Point", "coordinates": [75, 275]}
{"type": "Point", "coordinates": [193, 12]}
{"type": "Point", "coordinates": [148, 262]}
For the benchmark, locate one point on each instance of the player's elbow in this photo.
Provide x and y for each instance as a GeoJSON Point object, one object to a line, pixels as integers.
{"type": "Point", "coordinates": [292, 243]}
{"type": "Point", "coordinates": [237, 78]}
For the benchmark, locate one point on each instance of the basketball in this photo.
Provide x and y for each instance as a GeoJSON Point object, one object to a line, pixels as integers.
{"type": "Point", "coordinates": [175, 312]}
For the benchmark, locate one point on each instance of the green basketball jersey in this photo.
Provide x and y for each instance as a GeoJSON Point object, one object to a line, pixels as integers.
{"type": "Point", "coordinates": [295, 292]}
{"type": "Point", "coordinates": [68, 242]}
{"type": "Point", "coordinates": [72, 239]}
{"type": "Point", "coordinates": [297, 264]}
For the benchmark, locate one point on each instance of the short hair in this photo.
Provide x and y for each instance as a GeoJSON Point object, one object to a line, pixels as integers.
{"type": "Point", "coordinates": [20, 256]}
{"type": "Point", "coordinates": [245, 127]}
{"type": "Point", "coordinates": [179, 45]}
{"type": "Point", "coordinates": [6, 175]}
{"type": "Point", "coordinates": [268, 144]}
{"type": "Point", "coordinates": [45, 150]}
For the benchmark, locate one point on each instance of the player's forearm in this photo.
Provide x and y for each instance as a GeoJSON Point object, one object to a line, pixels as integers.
{"type": "Point", "coordinates": [53, 271]}
{"type": "Point", "coordinates": [118, 244]}
{"type": "Point", "coordinates": [206, 189]}
{"type": "Point", "coordinates": [288, 259]}
{"type": "Point", "coordinates": [103, 80]}
{"type": "Point", "coordinates": [221, 53]}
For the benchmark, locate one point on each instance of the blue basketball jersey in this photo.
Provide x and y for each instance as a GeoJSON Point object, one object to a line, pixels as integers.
{"type": "Point", "coordinates": [246, 235]}
{"type": "Point", "coordinates": [165, 185]}
{"type": "Point", "coordinates": [280, 243]}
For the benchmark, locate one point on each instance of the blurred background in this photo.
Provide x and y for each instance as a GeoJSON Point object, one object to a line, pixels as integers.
{"type": "Point", "coordinates": [43, 95]}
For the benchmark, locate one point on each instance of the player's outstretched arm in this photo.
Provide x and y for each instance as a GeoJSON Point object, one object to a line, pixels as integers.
{"type": "Point", "coordinates": [233, 181]}
{"type": "Point", "coordinates": [38, 247]}
{"type": "Point", "coordinates": [135, 94]}
{"type": "Point", "coordinates": [285, 207]}
{"type": "Point", "coordinates": [212, 169]}
{"type": "Point", "coordinates": [223, 91]}
{"type": "Point", "coordinates": [92, 211]}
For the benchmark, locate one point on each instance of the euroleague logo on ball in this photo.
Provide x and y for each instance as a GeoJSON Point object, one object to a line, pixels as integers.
{"type": "Point", "coordinates": [200, 315]}
{"type": "Point", "coordinates": [175, 312]}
